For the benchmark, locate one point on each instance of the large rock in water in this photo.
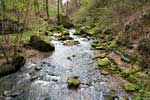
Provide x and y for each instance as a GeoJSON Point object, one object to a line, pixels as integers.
{"type": "Point", "coordinates": [65, 21]}
{"type": "Point", "coordinates": [73, 82]}
{"type": "Point", "coordinates": [37, 43]}
{"type": "Point", "coordinates": [16, 63]}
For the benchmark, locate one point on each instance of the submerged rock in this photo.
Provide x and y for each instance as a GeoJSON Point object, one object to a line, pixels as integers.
{"type": "Point", "coordinates": [71, 43]}
{"type": "Point", "coordinates": [73, 82]}
{"type": "Point", "coordinates": [37, 43]}
{"type": "Point", "coordinates": [103, 62]}
{"type": "Point", "coordinates": [110, 97]}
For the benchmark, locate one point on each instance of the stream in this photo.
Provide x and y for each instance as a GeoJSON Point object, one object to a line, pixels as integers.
{"type": "Point", "coordinates": [46, 79]}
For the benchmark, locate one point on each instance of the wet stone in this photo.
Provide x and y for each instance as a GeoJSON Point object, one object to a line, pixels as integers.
{"type": "Point", "coordinates": [38, 68]}
{"type": "Point", "coordinates": [11, 94]}
{"type": "Point", "coordinates": [73, 82]}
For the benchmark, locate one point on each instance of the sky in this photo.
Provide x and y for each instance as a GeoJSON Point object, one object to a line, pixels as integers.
{"type": "Point", "coordinates": [64, 1]}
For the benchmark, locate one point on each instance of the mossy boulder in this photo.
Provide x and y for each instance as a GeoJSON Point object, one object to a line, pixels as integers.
{"type": "Point", "coordinates": [16, 63]}
{"type": "Point", "coordinates": [77, 32]}
{"type": "Point", "coordinates": [94, 44]}
{"type": "Point", "coordinates": [109, 37]}
{"type": "Point", "coordinates": [102, 55]}
{"type": "Point", "coordinates": [65, 21]}
{"type": "Point", "coordinates": [37, 43]}
{"type": "Point", "coordinates": [104, 72]}
{"type": "Point", "coordinates": [107, 31]}
{"type": "Point", "coordinates": [73, 82]}
{"type": "Point", "coordinates": [112, 45]}
{"type": "Point", "coordinates": [7, 69]}
{"type": "Point", "coordinates": [87, 31]}
{"type": "Point", "coordinates": [64, 35]}
{"type": "Point", "coordinates": [103, 62]}
{"type": "Point", "coordinates": [130, 87]}
{"type": "Point", "coordinates": [97, 46]}
{"type": "Point", "coordinates": [71, 43]}
{"type": "Point", "coordinates": [65, 32]}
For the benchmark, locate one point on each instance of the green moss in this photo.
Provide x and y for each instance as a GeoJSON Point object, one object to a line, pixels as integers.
{"type": "Point", "coordinates": [103, 62]}
{"type": "Point", "coordinates": [77, 32]}
{"type": "Point", "coordinates": [101, 55]}
{"type": "Point", "coordinates": [38, 43]}
{"type": "Point", "coordinates": [108, 37]}
{"type": "Point", "coordinates": [112, 45]}
{"type": "Point", "coordinates": [94, 44]}
{"type": "Point", "coordinates": [104, 72]}
{"type": "Point", "coordinates": [99, 47]}
{"type": "Point", "coordinates": [65, 32]}
{"type": "Point", "coordinates": [71, 43]}
{"type": "Point", "coordinates": [73, 82]}
{"type": "Point", "coordinates": [7, 69]}
{"type": "Point", "coordinates": [130, 87]}
{"type": "Point", "coordinates": [88, 31]}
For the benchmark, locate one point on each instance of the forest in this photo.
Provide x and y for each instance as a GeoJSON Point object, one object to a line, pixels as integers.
{"type": "Point", "coordinates": [74, 49]}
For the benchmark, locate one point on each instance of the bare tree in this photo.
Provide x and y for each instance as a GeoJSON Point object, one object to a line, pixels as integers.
{"type": "Point", "coordinates": [47, 12]}
{"type": "Point", "coordinates": [1, 45]}
{"type": "Point", "coordinates": [58, 12]}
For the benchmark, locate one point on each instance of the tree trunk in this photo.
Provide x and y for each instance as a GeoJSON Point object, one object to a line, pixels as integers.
{"type": "Point", "coordinates": [58, 12]}
{"type": "Point", "coordinates": [47, 13]}
{"type": "Point", "coordinates": [62, 7]}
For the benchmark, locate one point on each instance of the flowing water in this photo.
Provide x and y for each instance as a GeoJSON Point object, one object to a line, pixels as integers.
{"type": "Point", "coordinates": [46, 79]}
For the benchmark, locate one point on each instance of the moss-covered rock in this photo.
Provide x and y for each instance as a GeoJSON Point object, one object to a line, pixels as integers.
{"type": "Point", "coordinates": [73, 82]}
{"type": "Point", "coordinates": [107, 31]}
{"type": "Point", "coordinates": [65, 21]}
{"type": "Point", "coordinates": [37, 43]}
{"type": "Point", "coordinates": [87, 31]}
{"type": "Point", "coordinates": [7, 69]}
{"type": "Point", "coordinates": [102, 55]}
{"type": "Point", "coordinates": [104, 72]}
{"type": "Point", "coordinates": [64, 37]}
{"type": "Point", "coordinates": [130, 87]}
{"type": "Point", "coordinates": [16, 63]}
{"type": "Point", "coordinates": [71, 43]}
{"type": "Point", "coordinates": [97, 46]}
{"type": "Point", "coordinates": [77, 32]}
{"type": "Point", "coordinates": [109, 38]}
{"type": "Point", "coordinates": [103, 62]}
{"type": "Point", "coordinates": [112, 45]}
{"type": "Point", "coordinates": [94, 44]}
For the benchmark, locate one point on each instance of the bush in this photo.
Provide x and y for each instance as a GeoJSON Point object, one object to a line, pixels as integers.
{"type": "Point", "coordinates": [144, 47]}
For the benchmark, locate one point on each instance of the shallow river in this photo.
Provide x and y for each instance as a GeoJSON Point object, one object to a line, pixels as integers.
{"type": "Point", "coordinates": [46, 79]}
